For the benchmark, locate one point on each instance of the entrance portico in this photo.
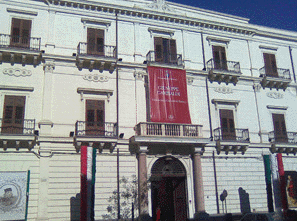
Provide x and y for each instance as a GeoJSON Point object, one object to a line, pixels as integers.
{"type": "Point", "coordinates": [168, 175]}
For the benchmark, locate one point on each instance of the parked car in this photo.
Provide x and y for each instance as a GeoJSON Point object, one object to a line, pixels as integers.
{"type": "Point", "coordinates": [258, 216]}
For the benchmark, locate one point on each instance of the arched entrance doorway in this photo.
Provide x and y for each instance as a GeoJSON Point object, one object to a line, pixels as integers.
{"type": "Point", "coordinates": [168, 190]}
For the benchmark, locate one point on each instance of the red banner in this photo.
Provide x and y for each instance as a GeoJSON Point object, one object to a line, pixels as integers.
{"type": "Point", "coordinates": [168, 95]}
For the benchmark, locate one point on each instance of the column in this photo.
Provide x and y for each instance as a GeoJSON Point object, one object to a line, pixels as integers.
{"type": "Point", "coordinates": [198, 181]}
{"type": "Point", "coordinates": [142, 183]}
{"type": "Point", "coordinates": [46, 124]}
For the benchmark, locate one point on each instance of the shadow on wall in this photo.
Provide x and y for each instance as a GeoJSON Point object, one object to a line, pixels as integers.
{"type": "Point", "coordinates": [75, 208]}
{"type": "Point", "coordinates": [244, 201]}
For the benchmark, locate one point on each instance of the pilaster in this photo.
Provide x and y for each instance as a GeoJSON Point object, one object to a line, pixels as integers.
{"type": "Point", "coordinates": [46, 124]}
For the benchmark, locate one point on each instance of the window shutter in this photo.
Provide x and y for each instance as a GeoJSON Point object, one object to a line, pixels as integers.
{"type": "Point", "coordinates": [13, 114]}
{"type": "Point", "coordinates": [279, 128]}
{"type": "Point", "coordinates": [270, 65]}
{"type": "Point", "coordinates": [100, 41]}
{"type": "Point", "coordinates": [95, 117]}
{"type": "Point", "coordinates": [15, 31]}
{"type": "Point", "coordinates": [227, 124]}
{"type": "Point", "coordinates": [25, 32]}
{"type": "Point", "coordinates": [219, 56]}
{"type": "Point", "coordinates": [158, 45]}
{"type": "Point", "coordinates": [90, 40]}
{"type": "Point", "coordinates": [173, 51]}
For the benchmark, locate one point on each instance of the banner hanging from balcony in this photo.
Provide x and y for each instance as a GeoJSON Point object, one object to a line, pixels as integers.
{"type": "Point", "coordinates": [168, 95]}
{"type": "Point", "coordinates": [87, 192]}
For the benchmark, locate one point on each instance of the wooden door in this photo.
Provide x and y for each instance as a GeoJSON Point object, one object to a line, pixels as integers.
{"type": "Point", "coordinates": [95, 42]}
{"type": "Point", "coordinates": [95, 117]}
{"type": "Point", "coordinates": [180, 202]}
{"type": "Point", "coordinates": [13, 114]}
{"type": "Point", "coordinates": [20, 33]}
{"type": "Point", "coordinates": [279, 128]}
{"type": "Point", "coordinates": [219, 56]}
{"type": "Point", "coordinates": [227, 124]}
{"type": "Point", "coordinates": [270, 65]}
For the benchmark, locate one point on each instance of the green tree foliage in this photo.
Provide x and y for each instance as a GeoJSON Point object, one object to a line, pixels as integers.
{"type": "Point", "coordinates": [128, 196]}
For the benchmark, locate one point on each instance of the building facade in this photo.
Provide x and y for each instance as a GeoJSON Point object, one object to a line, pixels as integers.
{"type": "Point", "coordinates": [84, 73]}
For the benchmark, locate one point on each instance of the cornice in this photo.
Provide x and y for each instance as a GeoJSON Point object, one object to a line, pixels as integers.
{"type": "Point", "coordinates": [154, 15]}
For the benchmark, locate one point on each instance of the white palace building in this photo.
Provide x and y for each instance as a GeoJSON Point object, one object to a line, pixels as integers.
{"type": "Point", "coordinates": [196, 104]}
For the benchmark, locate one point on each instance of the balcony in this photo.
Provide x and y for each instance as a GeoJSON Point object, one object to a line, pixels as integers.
{"type": "Point", "coordinates": [235, 140]}
{"type": "Point", "coordinates": [278, 80]}
{"type": "Point", "coordinates": [223, 71]}
{"type": "Point", "coordinates": [167, 138]}
{"type": "Point", "coordinates": [283, 143]}
{"type": "Point", "coordinates": [101, 57]}
{"type": "Point", "coordinates": [97, 134]}
{"type": "Point", "coordinates": [167, 59]}
{"type": "Point", "coordinates": [18, 133]}
{"type": "Point", "coordinates": [18, 49]}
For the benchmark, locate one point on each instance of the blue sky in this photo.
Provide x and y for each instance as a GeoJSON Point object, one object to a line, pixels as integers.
{"type": "Point", "coordinates": [281, 14]}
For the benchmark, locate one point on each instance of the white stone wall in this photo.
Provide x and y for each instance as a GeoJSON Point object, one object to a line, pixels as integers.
{"type": "Point", "coordinates": [55, 180]}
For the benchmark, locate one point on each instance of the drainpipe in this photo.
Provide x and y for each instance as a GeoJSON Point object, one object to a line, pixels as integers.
{"type": "Point", "coordinates": [290, 49]}
{"type": "Point", "coordinates": [216, 183]}
{"type": "Point", "coordinates": [207, 92]}
{"type": "Point", "coordinates": [117, 130]}
{"type": "Point", "coordinates": [117, 75]}
{"type": "Point", "coordinates": [256, 88]}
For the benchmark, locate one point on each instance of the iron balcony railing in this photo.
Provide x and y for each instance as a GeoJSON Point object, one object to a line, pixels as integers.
{"type": "Point", "coordinates": [238, 135]}
{"type": "Point", "coordinates": [281, 73]}
{"type": "Point", "coordinates": [223, 65]}
{"type": "Point", "coordinates": [168, 129]}
{"type": "Point", "coordinates": [290, 138]}
{"type": "Point", "coordinates": [96, 50]}
{"type": "Point", "coordinates": [167, 58]}
{"type": "Point", "coordinates": [17, 126]}
{"type": "Point", "coordinates": [96, 129]}
{"type": "Point", "coordinates": [20, 42]}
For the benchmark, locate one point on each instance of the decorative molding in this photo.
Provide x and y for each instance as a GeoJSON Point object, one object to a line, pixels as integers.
{"type": "Point", "coordinates": [189, 80]}
{"type": "Point", "coordinates": [212, 39]}
{"type": "Point", "coordinates": [17, 72]}
{"type": "Point", "coordinates": [95, 78]}
{"type": "Point", "coordinates": [275, 95]}
{"type": "Point", "coordinates": [223, 90]}
{"type": "Point", "coordinates": [16, 88]}
{"type": "Point", "coordinates": [160, 5]}
{"type": "Point", "coordinates": [94, 91]}
{"type": "Point", "coordinates": [22, 11]}
{"type": "Point", "coordinates": [268, 47]}
{"type": "Point", "coordinates": [164, 32]}
{"type": "Point", "coordinates": [277, 107]}
{"type": "Point", "coordinates": [257, 87]}
{"type": "Point", "coordinates": [49, 66]}
{"type": "Point", "coordinates": [139, 74]}
{"type": "Point", "coordinates": [106, 24]}
{"type": "Point", "coordinates": [216, 102]}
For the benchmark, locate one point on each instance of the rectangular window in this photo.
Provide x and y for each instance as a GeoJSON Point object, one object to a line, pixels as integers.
{"type": "Point", "coordinates": [95, 117]}
{"type": "Point", "coordinates": [227, 124]}
{"type": "Point", "coordinates": [95, 41]}
{"type": "Point", "coordinates": [270, 65]}
{"type": "Point", "coordinates": [279, 128]}
{"type": "Point", "coordinates": [219, 56]}
{"type": "Point", "coordinates": [165, 50]}
{"type": "Point", "coordinates": [20, 33]}
{"type": "Point", "coordinates": [13, 114]}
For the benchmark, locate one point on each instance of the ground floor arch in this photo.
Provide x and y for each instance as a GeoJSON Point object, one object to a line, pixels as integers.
{"type": "Point", "coordinates": [169, 190]}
